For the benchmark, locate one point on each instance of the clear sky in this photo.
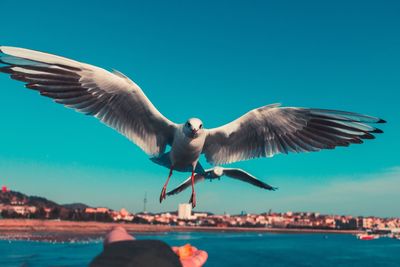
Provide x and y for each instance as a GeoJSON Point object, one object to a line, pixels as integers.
{"type": "Point", "coordinates": [214, 60]}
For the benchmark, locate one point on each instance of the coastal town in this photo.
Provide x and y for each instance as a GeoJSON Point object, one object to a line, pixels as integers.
{"type": "Point", "coordinates": [15, 205]}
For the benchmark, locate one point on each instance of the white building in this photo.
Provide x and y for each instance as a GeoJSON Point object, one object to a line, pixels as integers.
{"type": "Point", "coordinates": [185, 211]}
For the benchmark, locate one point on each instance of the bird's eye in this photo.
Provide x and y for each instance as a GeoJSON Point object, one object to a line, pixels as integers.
{"type": "Point", "coordinates": [201, 126]}
{"type": "Point", "coordinates": [188, 124]}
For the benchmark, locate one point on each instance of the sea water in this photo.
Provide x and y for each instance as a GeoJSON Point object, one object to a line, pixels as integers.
{"type": "Point", "coordinates": [224, 249]}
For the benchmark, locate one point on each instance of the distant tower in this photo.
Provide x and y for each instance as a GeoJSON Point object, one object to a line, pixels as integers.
{"type": "Point", "coordinates": [184, 211]}
{"type": "Point", "coordinates": [145, 202]}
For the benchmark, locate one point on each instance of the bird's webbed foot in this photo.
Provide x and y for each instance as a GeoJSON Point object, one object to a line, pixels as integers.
{"type": "Point", "coordinates": [164, 189]}
{"type": "Point", "coordinates": [163, 193]}
{"type": "Point", "coordinates": [193, 199]}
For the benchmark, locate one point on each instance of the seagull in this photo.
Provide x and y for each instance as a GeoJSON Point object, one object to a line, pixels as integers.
{"type": "Point", "coordinates": [216, 173]}
{"type": "Point", "coordinates": [118, 102]}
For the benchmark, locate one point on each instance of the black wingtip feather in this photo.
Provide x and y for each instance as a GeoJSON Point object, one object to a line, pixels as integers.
{"type": "Point", "coordinates": [356, 141]}
{"type": "Point", "coordinates": [381, 121]}
{"type": "Point", "coordinates": [32, 86]}
{"type": "Point", "coordinates": [376, 131]}
{"type": "Point", "coordinates": [367, 136]}
{"type": "Point", "coordinates": [6, 69]}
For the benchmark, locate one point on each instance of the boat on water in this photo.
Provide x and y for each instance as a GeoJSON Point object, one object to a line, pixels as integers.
{"type": "Point", "coordinates": [396, 237]}
{"type": "Point", "coordinates": [367, 236]}
{"type": "Point", "coordinates": [371, 234]}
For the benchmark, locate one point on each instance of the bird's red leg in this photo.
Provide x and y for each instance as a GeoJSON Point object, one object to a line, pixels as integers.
{"type": "Point", "coordinates": [164, 189]}
{"type": "Point", "coordinates": [193, 197]}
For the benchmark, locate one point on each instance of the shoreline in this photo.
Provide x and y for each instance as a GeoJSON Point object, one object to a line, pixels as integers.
{"type": "Point", "coordinates": [32, 229]}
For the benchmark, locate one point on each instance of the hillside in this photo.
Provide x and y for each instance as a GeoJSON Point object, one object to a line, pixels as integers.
{"type": "Point", "coordinates": [17, 198]}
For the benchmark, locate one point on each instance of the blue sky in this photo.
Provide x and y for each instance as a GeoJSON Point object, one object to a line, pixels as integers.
{"type": "Point", "coordinates": [214, 60]}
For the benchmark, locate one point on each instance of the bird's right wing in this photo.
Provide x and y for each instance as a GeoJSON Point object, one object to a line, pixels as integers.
{"type": "Point", "coordinates": [247, 177]}
{"type": "Point", "coordinates": [186, 184]}
{"type": "Point", "coordinates": [111, 97]}
{"type": "Point", "coordinates": [270, 130]}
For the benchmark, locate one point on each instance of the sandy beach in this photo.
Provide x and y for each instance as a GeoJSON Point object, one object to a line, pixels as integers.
{"type": "Point", "coordinates": [67, 230]}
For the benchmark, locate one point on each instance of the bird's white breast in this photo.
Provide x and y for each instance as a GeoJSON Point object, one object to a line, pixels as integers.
{"type": "Point", "coordinates": [185, 151]}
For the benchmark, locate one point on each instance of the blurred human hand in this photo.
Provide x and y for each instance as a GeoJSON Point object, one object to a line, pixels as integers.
{"type": "Point", "coordinates": [118, 233]}
{"type": "Point", "coordinates": [197, 259]}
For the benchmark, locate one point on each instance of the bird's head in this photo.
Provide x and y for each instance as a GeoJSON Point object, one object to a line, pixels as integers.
{"type": "Point", "coordinates": [218, 171]}
{"type": "Point", "coordinates": [193, 128]}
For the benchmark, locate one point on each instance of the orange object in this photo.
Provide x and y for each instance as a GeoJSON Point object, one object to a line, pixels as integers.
{"type": "Point", "coordinates": [185, 251]}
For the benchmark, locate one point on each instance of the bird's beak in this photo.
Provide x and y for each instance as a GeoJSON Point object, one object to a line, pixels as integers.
{"type": "Point", "coordinates": [194, 133]}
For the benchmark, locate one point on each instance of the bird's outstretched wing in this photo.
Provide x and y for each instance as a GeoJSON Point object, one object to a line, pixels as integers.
{"type": "Point", "coordinates": [186, 184]}
{"type": "Point", "coordinates": [269, 130]}
{"type": "Point", "coordinates": [246, 177]}
{"type": "Point", "coordinates": [111, 97]}
{"type": "Point", "coordinates": [238, 174]}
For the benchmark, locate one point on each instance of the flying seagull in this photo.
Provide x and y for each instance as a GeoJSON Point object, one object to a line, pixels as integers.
{"type": "Point", "coordinates": [119, 103]}
{"type": "Point", "coordinates": [216, 173]}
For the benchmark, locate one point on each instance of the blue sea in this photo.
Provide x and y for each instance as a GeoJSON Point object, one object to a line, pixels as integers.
{"type": "Point", "coordinates": [224, 249]}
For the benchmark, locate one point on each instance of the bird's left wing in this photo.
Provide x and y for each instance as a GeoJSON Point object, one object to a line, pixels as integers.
{"type": "Point", "coordinates": [269, 130]}
{"type": "Point", "coordinates": [186, 184]}
{"type": "Point", "coordinates": [111, 97]}
{"type": "Point", "coordinates": [246, 177]}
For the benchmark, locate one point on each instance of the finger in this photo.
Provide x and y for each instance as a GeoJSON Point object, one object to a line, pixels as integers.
{"type": "Point", "coordinates": [176, 249]}
{"type": "Point", "coordinates": [199, 258]}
